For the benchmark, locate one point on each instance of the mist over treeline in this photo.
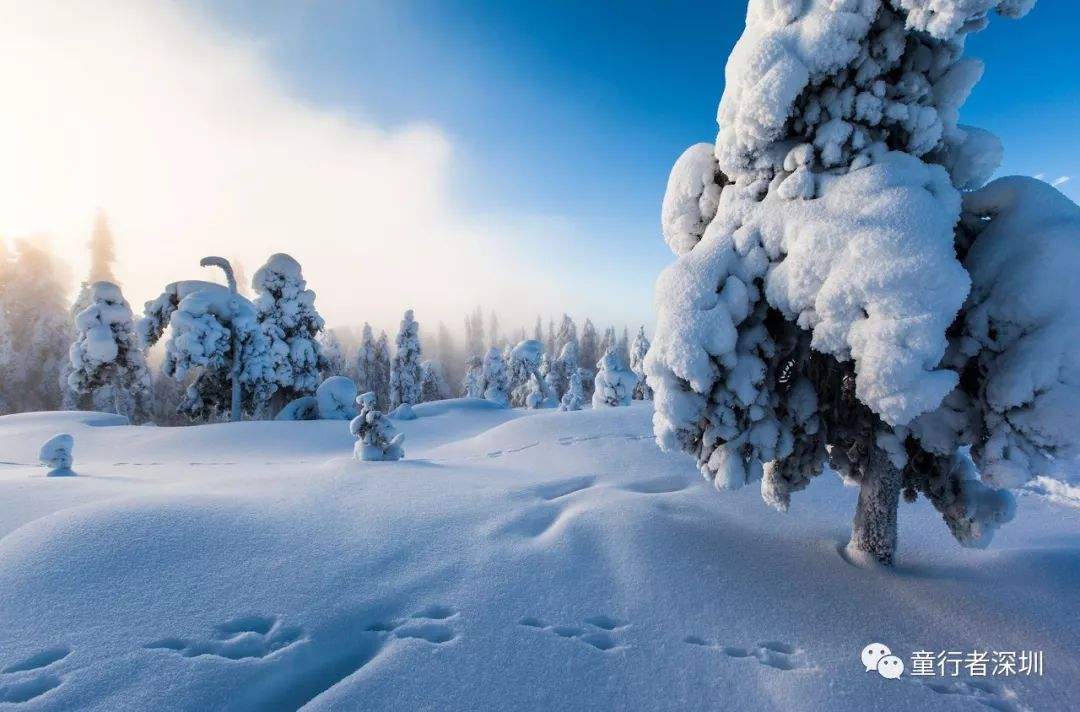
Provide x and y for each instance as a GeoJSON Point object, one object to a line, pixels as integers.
{"type": "Point", "coordinates": [60, 346]}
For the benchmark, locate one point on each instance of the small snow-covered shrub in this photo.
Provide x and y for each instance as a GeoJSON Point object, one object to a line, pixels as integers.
{"type": "Point", "coordinates": [376, 437]}
{"type": "Point", "coordinates": [302, 408]}
{"type": "Point", "coordinates": [614, 384]}
{"type": "Point", "coordinates": [57, 454]}
{"type": "Point", "coordinates": [638, 349]}
{"type": "Point", "coordinates": [336, 398]}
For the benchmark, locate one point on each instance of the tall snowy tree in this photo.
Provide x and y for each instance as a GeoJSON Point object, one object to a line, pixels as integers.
{"type": "Point", "coordinates": [549, 343]}
{"type": "Point", "coordinates": [32, 300]}
{"type": "Point", "coordinates": [638, 349]}
{"type": "Point", "coordinates": [607, 344]}
{"type": "Point", "coordinates": [589, 352]}
{"type": "Point", "coordinates": [406, 377]}
{"type": "Point", "coordinates": [102, 251]}
{"type": "Point", "coordinates": [384, 366]}
{"type": "Point", "coordinates": [205, 322]}
{"type": "Point", "coordinates": [494, 335]}
{"type": "Point", "coordinates": [433, 385]}
{"type": "Point", "coordinates": [472, 384]}
{"type": "Point", "coordinates": [496, 381]}
{"type": "Point", "coordinates": [538, 329]}
{"type": "Point", "coordinates": [829, 301]}
{"type": "Point", "coordinates": [365, 368]}
{"type": "Point", "coordinates": [287, 314]}
{"type": "Point", "coordinates": [566, 334]}
{"type": "Point", "coordinates": [474, 333]}
{"type": "Point", "coordinates": [107, 366]}
{"type": "Point", "coordinates": [333, 355]}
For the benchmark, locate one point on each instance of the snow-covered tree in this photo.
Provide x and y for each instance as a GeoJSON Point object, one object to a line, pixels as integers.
{"type": "Point", "coordinates": [527, 356]}
{"type": "Point", "coordinates": [549, 343]}
{"type": "Point", "coordinates": [287, 314]}
{"type": "Point", "coordinates": [205, 320]}
{"type": "Point", "coordinates": [102, 251]}
{"type": "Point", "coordinates": [608, 344]}
{"type": "Point", "coordinates": [406, 378]}
{"type": "Point", "coordinates": [828, 301]}
{"type": "Point", "coordinates": [494, 335]}
{"type": "Point", "coordinates": [106, 364]}
{"type": "Point", "coordinates": [474, 333]}
{"type": "Point", "coordinates": [574, 398]}
{"type": "Point", "coordinates": [589, 353]}
{"type": "Point", "coordinates": [447, 354]}
{"type": "Point", "coordinates": [384, 366]}
{"type": "Point", "coordinates": [638, 350]}
{"type": "Point", "coordinates": [566, 334]}
{"type": "Point", "coordinates": [496, 383]}
{"type": "Point", "coordinates": [433, 385]}
{"type": "Point", "coordinates": [376, 437]}
{"type": "Point", "coordinates": [32, 301]}
{"type": "Point", "coordinates": [333, 355]}
{"type": "Point", "coordinates": [472, 385]}
{"type": "Point", "coordinates": [561, 368]}
{"type": "Point", "coordinates": [366, 369]}
{"type": "Point", "coordinates": [614, 384]}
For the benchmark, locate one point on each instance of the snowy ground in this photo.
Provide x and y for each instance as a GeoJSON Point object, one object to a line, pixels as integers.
{"type": "Point", "coordinates": [516, 560]}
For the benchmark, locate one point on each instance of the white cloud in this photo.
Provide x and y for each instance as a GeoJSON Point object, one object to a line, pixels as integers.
{"type": "Point", "coordinates": [1060, 181]}
{"type": "Point", "coordinates": [183, 134]}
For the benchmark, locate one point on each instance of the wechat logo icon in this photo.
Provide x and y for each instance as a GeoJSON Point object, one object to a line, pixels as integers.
{"type": "Point", "coordinates": [878, 657]}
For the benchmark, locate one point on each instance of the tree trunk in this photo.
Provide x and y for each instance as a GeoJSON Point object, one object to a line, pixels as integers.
{"type": "Point", "coordinates": [873, 531]}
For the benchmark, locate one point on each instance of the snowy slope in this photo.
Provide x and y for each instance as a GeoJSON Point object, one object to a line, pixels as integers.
{"type": "Point", "coordinates": [515, 560]}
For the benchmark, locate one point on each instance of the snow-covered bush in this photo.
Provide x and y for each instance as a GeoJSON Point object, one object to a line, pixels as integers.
{"type": "Point", "coordinates": [563, 367]}
{"type": "Point", "coordinates": [817, 304]}
{"type": "Point", "coordinates": [376, 437]}
{"type": "Point", "coordinates": [287, 315]}
{"type": "Point", "coordinates": [574, 398]}
{"type": "Point", "coordinates": [204, 318]}
{"type": "Point", "coordinates": [106, 363]}
{"type": "Point", "coordinates": [472, 386]}
{"type": "Point", "coordinates": [302, 408]}
{"type": "Point", "coordinates": [336, 398]}
{"type": "Point", "coordinates": [614, 384]}
{"type": "Point", "coordinates": [433, 384]}
{"type": "Point", "coordinates": [57, 454]}
{"type": "Point", "coordinates": [406, 377]}
{"type": "Point", "coordinates": [638, 349]}
{"type": "Point", "coordinates": [495, 378]}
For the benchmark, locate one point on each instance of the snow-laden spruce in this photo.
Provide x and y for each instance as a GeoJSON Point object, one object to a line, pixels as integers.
{"type": "Point", "coordinates": [333, 355]}
{"type": "Point", "coordinates": [406, 375]}
{"type": "Point", "coordinates": [496, 381]}
{"type": "Point", "coordinates": [372, 366]}
{"type": "Point", "coordinates": [286, 312]}
{"type": "Point", "coordinates": [57, 454]}
{"type": "Point", "coordinates": [527, 356]}
{"type": "Point", "coordinates": [204, 321]}
{"type": "Point", "coordinates": [106, 364]}
{"type": "Point", "coordinates": [614, 384]}
{"type": "Point", "coordinates": [828, 300]}
{"type": "Point", "coordinates": [376, 437]}
{"type": "Point", "coordinates": [472, 385]}
{"type": "Point", "coordinates": [433, 385]}
{"type": "Point", "coordinates": [574, 398]}
{"type": "Point", "coordinates": [638, 349]}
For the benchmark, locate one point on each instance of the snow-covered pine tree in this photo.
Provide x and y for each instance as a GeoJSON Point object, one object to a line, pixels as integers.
{"type": "Point", "coordinates": [384, 367]}
{"type": "Point", "coordinates": [433, 386]}
{"type": "Point", "coordinates": [607, 345]}
{"type": "Point", "coordinates": [589, 353]}
{"type": "Point", "coordinates": [562, 368]}
{"type": "Point", "coordinates": [106, 363]}
{"type": "Point", "coordinates": [638, 349]}
{"type": "Point", "coordinates": [549, 343]}
{"type": "Point", "coordinates": [364, 367]}
{"type": "Point", "coordinates": [287, 314]}
{"type": "Point", "coordinates": [204, 319]}
{"type": "Point", "coordinates": [614, 384]}
{"type": "Point", "coordinates": [494, 335]}
{"type": "Point", "coordinates": [472, 384]}
{"type": "Point", "coordinates": [622, 348]}
{"type": "Point", "coordinates": [566, 334]}
{"type": "Point", "coordinates": [828, 301]}
{"type": "Point", "coordinates": [496, 383]}
{"type": "Point", "coordinates": [333, 356]}
{"type": "Point", "coordinates": [32, 300]}
{"type": "Point", "coordinates": [574, 398]}
{"type": "Point", "coordinates": [406, 377]}
{"type": "Point", "coordinates": [527, 357]}
{"type": "Point", "coordinates": [446, 353]}
{"type": "Point", "coordinates": [102, 251]}
{"type": "Point", "coordinates": [538, 329]}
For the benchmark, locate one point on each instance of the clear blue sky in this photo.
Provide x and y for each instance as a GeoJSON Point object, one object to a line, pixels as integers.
{"type": "Point", "coordinates": [579, 109]}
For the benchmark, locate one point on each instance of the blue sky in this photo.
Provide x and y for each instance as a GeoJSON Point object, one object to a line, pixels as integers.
{"type": "Point", "coordinates": [577, 110]}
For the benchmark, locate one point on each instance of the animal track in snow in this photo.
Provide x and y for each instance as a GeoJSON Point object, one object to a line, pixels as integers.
{"type": "Point", "coordinates": [598, 632]}
{"type": "Point", "coordinates": [237, 639]}
{"type": "Point", "coordinates": [771, 653]}
{"type": "Point", "coordinates": [512, 450]}
{"type": "Point", "coordinates": [428, 624]}
{"type": "Point", "coordinates": [988, 693]}
{"type": "Point", "coordinates": [27, 679]}
{"type": "Point", "coordinates": [573, 439]}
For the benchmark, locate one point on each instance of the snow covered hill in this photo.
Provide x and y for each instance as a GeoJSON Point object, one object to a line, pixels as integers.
{"type": "Point", "coordinates": [515, 560]}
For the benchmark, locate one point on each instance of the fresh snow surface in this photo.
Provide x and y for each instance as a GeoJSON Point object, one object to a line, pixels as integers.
{"type": "Point", "coordinates": [536, 560]}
